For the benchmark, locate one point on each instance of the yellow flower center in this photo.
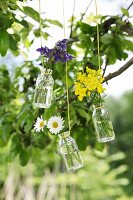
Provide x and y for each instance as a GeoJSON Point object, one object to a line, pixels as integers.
{"type": "Point", "coordinates": [55, 125]}
{"type": "Point", "coordinates": [41, 123]}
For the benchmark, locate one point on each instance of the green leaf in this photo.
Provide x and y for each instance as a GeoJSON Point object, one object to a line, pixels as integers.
{"type": "Point", "coordinates": [23, 157]}
{"type": "Point", "coordinates": [13, 43]}
{"type": "Point", "coordinates": [45, 35]}
{"type": "Point", "coordinates": [24, 23]}
{"type": "Point", "coordinates": [4, 42]}
{"type": "Point", "coordinates": [29, 123]}
{"type": "Point", "coordinates": [128, 44]}
{"type": "Point", "coordinates": [106, 38]}
{"type": "Point", "coordinates": [31, 13]}
{"type": "Point", "coordinates": [5, 21]}
{"type": "Point", "coordinates": [54, 22]}
{"type": "Point", "coordinates": [110, 51]}
{"type": "Point", "coordinates": [94, 60]}
{"type": "Point", "coordinates": [125, 11]}
{"type": "Point", "coordinates": [117, 48]}
{"type": "Point", "coordinates": [87, 29]}
{"type": "Point", "coordinates": [49, 112]}
{"type": "Point", "coordinates": [85, 41]}
{"type": "Point", "coordinates": [84, 114]}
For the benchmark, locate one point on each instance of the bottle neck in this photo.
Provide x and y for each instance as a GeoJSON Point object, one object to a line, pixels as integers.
{"type": "Point", "coordinates": [46, 71]}
{"type": "Point", "coordinates": [64, 135]}
{"type": "Point", "coordinates": [98, 106]}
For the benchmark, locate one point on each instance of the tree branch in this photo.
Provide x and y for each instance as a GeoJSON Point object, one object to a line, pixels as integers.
{"type": "Point", "coordinates": [128, 8]}
{"type": "Point", "coordinates": [119, 71]}
{"type": "Point", "coordinates": [106, 64]}
{"type": "Point", "coordinates": [82, 16]}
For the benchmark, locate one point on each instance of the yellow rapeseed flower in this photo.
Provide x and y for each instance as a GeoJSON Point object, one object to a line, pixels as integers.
{"type": "Point", "coordinates": [88, 82]}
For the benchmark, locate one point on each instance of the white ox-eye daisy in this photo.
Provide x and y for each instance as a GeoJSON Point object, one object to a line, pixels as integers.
{"type": "Point", "coordinates": [55, 124]}
{"type": "Point", "coordinates": [39, 125]}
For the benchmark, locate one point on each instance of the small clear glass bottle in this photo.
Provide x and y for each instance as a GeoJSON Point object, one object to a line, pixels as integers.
{"type": "Point", "coordinates": [70, 152]}
{"type": "Point", "coordinates": [44, 89]}
{"type": "Point", "coordinates": [102, 123]}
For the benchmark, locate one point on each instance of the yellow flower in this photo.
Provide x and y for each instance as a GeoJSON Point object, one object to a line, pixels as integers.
{"type": "Point", "coordinates": [78, 86]}
{"type": "Point", "coordinates": [89, 93]}
{"type": "Point", "coordinates": [80, 98]}
{"type": "Point", "coordinates": [88, 82]}
{"type": "Point", "coordinates": [81, 76]}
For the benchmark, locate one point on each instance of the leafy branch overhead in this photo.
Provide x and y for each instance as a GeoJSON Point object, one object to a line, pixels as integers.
{"type": "Point", "coordinates": [19, 31]}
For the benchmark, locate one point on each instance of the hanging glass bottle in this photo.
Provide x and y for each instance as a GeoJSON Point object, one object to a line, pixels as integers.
{"type": "Point", "coordinates": [70, 152]}
{"type": "Point", "coordinates": [102, 123]}
{"type": "Point", "coordinates": [44, 89]}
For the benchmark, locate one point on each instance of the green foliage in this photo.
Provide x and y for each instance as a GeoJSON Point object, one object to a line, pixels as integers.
{"type": "Point", "coordinates": [111, 40]}
{"type": "Point", "coordinates": [17, 114]}
{"type": "Point", "coordinates": [54, 22]}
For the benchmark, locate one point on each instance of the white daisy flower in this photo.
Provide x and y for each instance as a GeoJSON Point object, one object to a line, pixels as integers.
{"type": "Point", "coordinates": [39, 125]}
{"type": "Point", "coordinates": [55, 124]}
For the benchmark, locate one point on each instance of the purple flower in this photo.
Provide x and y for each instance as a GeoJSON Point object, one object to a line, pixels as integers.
{"type": "Point", "coordinates": [44, 51]}
{"type": "Point", "coordinates": [67, 57]}
{"type": "Point", "coordinates": [62, 56]}
{"type": "Point", "coordinates": [61, 45]}
{"type": "Point", "coordinates": [58, 53]}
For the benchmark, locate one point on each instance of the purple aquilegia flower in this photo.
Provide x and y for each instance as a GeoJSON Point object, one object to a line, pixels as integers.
{"type": "Point", "coordinates": [66, 57]}
{"type": "Point", "coordinates": [57, 56]}
{"type": "Point", "coordinates": [44, 51]}
{"type": "Point", "coordinates": [61, 44]}
{"type": "Point", "coordinates": [58, 53]}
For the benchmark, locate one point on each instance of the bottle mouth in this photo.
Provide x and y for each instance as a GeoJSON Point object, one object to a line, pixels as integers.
{"type": "Point", "coordinates": [46, 71]}
{"type": "Point", "coordinates": [98, 106]}
{"type": "Point", "coordinates": [64, 134]}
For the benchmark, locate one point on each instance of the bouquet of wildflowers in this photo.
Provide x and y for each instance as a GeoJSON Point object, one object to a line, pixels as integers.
{"type": "Point", "coordinates": [89, 83]}
{"type": "Point", "coordinates": [58, 53]}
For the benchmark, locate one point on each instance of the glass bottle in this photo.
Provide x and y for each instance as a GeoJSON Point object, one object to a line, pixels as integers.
{"type": "Point", "coordinates": [44, 89]}
{"type": "Point", "coordinates": [70, 152]}
{"type": "Point", "coordinates": [102, 123]}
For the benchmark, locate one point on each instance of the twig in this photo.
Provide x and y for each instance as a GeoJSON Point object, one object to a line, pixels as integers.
{"type": "Point", "coordinates": [119, 71]}
{"type": "Point", "coordinates": [128, 8]}
{"type": "Point", "coordinates": [106, 64]}
{"type": "Point", "coordinates": [82, 16]}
